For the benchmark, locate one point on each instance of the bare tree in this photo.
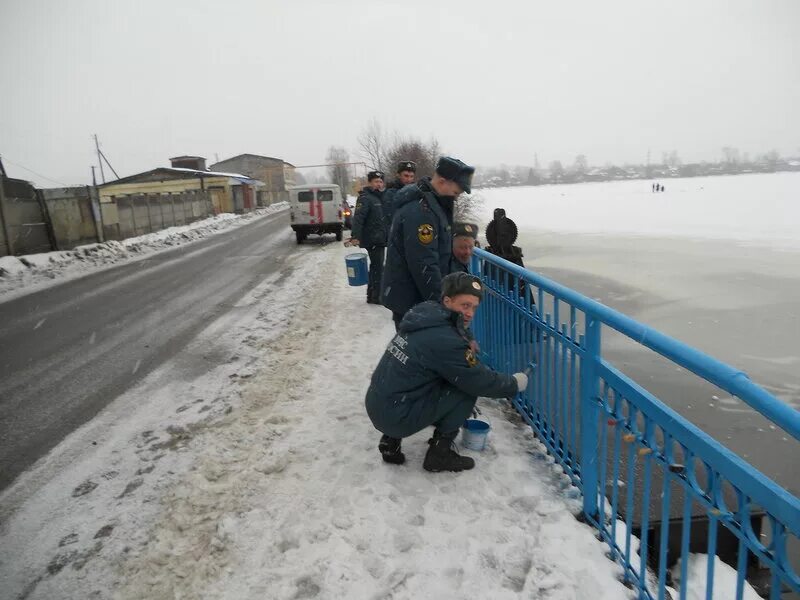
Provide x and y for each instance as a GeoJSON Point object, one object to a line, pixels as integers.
{"type": "Point", "coordinates": [467, 208]}
{"type": "Point", "coordinates": [338, 171]}
{"type": "Point", "coordinates": [674, 160]}
{"type": "Point", "coordinates": [731, 155]}
{"type": "Point", "coordinates": [425, 155]}
{"type": "Point", "coordinates": [372, 142]}
{"type": "Point", "coordinates": [556, 170]}
{"type": "Point", "coordinates": [581, 164]}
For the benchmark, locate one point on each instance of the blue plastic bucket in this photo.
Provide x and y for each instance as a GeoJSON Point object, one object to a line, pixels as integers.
{"type": "Point", "coordinates": [474, 434]}
{"type": "Point", "coordinates": [357, 271]}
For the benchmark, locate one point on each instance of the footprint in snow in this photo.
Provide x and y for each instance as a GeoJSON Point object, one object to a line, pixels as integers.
{"type": "Point", "coordinates": [405, 541]}
{"type": "Point", "coordinates": [68, 539]}
{"type": "Point", "coordinates": [306, 588]}
{"type": "Point", "coordinates": [132, 485]}
{"type": "Point", "coordinates": [85, 488]}
{"type": "Point", "coordinates": [417, 521]}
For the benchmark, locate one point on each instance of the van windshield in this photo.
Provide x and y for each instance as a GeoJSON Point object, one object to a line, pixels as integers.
{"type": "Point", "coordinates": [325, 195]}
{"type": "Point", "coordinates": [305, 196]}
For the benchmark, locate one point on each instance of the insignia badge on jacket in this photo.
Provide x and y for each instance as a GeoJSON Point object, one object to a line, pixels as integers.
{"type": "Point", "coordinates": [470, 356]}
{"type": "Point", "coordinates": [425, 233]}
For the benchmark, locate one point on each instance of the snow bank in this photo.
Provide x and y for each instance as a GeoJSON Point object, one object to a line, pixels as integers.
{"type": "Point", "coordinates": [724, 579]}
{"type": "Point", "coordinates": [10, 266]}
{"type": "Point", "coordinates": [282, 493]}
{"type": "Point", "coordinates": [755, 208]}
{"type": "Point", "coordinates": [19, 275]}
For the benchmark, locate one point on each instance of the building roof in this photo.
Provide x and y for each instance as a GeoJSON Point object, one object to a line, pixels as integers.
{"type": "Point", "coordinates": [255, 156]}
{"type": "Point", "coordinates": [181, 173]}
{"type": "Point", "coordinates": [184, 157]}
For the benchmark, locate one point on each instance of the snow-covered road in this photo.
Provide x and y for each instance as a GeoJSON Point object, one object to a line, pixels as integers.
{"type": "Point", "coordinates": [260, 478]}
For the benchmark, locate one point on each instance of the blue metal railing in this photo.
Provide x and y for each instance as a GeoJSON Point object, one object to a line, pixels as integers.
{"type": "Point", "coordinates": [643, 470]}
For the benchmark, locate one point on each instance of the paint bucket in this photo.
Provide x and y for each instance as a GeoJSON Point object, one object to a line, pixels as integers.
{"type": "Point", "coordinates": [357, 271]}
{"type": "Point", "coordinates": [474, 434]}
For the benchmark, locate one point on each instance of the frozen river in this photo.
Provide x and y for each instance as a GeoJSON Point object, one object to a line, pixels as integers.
{"type": "Point", "coordinates": [713, 262]}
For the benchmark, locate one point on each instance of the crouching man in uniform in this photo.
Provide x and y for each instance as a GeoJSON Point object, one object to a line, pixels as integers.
{"type": "Point", "coordinates": [429, 375]}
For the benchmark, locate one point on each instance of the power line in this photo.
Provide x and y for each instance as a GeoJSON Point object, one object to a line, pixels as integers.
{"type": "Point", "coordinates": [34, 172]}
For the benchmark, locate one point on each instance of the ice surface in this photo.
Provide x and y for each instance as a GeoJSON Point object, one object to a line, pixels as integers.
{"type": "Point", "coordinates": [755, 208]}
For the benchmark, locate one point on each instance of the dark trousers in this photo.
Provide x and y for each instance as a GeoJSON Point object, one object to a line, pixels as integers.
{"type": "Point", "coordinates": [376, 254]}
{"type": "Point", "coordinates": [446, 411]}
{"type": "Point", "coordinates": [397, 317]}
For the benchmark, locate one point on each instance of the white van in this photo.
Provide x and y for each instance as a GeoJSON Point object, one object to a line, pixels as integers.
{"type": "Point", "coordinates": [316, 208]}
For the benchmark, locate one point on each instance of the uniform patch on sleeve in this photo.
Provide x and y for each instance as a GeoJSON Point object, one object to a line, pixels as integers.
{"type": "Point", "coordinates": [425, 233]}
{"type": "Point", "coordinates": [470, 356]}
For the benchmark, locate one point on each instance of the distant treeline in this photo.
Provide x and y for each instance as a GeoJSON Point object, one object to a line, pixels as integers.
{"type": "Point", "coordinates": [671, 166]}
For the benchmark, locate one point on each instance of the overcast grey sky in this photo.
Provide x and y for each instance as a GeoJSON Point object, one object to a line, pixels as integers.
{"type": "Point", "coordinates": [494, 81]}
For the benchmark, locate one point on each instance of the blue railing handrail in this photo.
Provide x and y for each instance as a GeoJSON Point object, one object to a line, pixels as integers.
{"type": "Point", "coordinates": [780, 502]}
{"type": "Point", "coordinates": [732, 380]}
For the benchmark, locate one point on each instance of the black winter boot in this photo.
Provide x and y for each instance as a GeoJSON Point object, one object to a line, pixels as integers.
{"type": "Point", "coordinates": [442, 456]}
{"type": "Point", "coordinates": [389, 448]}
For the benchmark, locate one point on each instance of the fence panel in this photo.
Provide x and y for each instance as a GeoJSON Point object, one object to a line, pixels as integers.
{"type": "Point", "coordinates": [655, 486]}
{"type": "Point", "coordinates": [24, 219]}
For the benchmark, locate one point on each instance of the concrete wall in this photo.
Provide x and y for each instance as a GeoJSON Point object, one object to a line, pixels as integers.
{"type": "Point", "coordinates": [145, 213]}
{"type": "Point", "coordinates": [62, 218]}
{"type": "Point", "coordinates": [74, 219]}
{"type": "Point", "coordinates": [23, 223]}
{"type": "Point", "coordinates": [221, 187]}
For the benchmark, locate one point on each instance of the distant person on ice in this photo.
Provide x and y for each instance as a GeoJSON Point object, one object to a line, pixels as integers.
{"type": "Point", "coordinates": [421, 237]}
{"type": "Point", "coordinates": [370, 232]}
{"type": "Point", "coordinates": [429, 375]}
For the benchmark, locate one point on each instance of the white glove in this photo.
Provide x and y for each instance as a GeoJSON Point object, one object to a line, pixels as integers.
{"type": "Point", "coordinates": [522, 381]}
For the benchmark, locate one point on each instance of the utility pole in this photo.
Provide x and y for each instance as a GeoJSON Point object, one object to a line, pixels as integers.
{"type": "Point", "coordinates": [94, 179]}
{"type": "Point", "coordinates": [99, 158]}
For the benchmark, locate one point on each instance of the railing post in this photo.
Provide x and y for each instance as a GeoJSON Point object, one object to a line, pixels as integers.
{"type": "Point", "coordinates": [589, 413]}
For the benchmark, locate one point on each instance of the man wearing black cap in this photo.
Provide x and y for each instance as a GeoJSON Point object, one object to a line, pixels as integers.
{"type": "Point", "coordinates": [464, 237]}
{"type": "Point", "coordinates": [369, 231]}
{"type": "Point", "coordinates": [429, 375]}
{"type": "Point", "coordinates": [420, 240]}
{"type": "Point", "coordinates": [406, 174]}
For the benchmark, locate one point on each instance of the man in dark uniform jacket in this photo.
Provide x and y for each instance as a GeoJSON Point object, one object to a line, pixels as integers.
{"type": "Point", "coordinates": [420, 241]}
{"type": "Point", "coordinates": [369, 231]}
{"type": "Point", "coordinates": [464, 238]}
{"type": "Point", "coordinates": [429, 375]}
{"type": "Point", "coordinates": [406, 174]}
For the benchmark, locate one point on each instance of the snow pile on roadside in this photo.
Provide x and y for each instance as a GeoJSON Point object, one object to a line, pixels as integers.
{"type": "Point", "coordinates": [39, 270]}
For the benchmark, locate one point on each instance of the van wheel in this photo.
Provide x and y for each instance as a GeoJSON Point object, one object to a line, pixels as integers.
{"type": "Point", "coordinates": [300, 237]}
{"type": "Point", "coordinates": [339, 235]}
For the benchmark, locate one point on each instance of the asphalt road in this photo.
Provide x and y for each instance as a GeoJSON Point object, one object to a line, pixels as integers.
{"type": "Point", "coordinates": [69, 350]}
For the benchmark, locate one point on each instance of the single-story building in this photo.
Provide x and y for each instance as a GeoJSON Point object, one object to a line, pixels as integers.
{"type": "Point", "coordinates": [229, 192]}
